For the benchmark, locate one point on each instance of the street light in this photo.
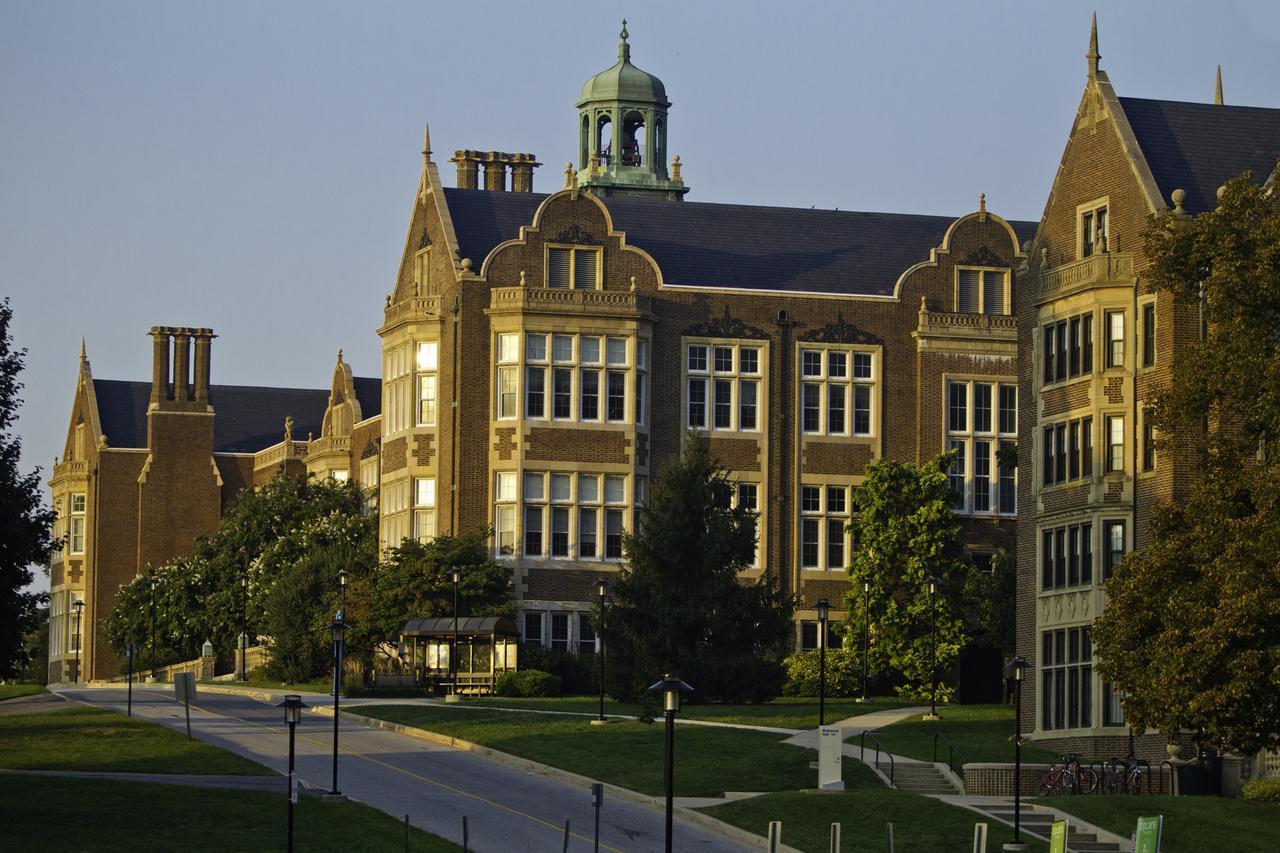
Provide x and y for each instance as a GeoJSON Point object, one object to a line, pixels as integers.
{"type": "Point", "coordinates": [1013, 670]}
{"type": "Point", "coordinates": [293, 706]}
{"type": "Point", "coordinates": [933, 649]}
{"type": "Point", "coordinates": [866, 634]}
{"type": "Point", "coordinates": [79, 608]}
{"type": "Point", "coordinates": [343, 576]}
{"type": "Point", "coordinates": [602, 590]}
{"type": "Point", "coordinates": [671, 687]}
{"type": "Point", "coordinates": [455, 577]}
{"type": "Point", "coordinates": [824, 607]}
{"type": "Point", "coordinates": [153, 584]}
{"type": "Point", "coordinates": [339, 628]}
{"type": "Point", "coordinates": [242, 663]}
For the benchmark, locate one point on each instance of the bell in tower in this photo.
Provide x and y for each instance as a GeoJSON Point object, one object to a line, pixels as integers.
{"type": "Point", "coordinates": [622, 150]}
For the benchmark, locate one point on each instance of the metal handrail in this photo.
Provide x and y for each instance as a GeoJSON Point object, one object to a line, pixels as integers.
{"type": "Point", "coordinates": [952, 749]}
{"type": "Point", "coordinates": [862, 753]}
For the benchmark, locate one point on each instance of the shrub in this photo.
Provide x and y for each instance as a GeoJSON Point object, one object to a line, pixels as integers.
{"type": "Point", "coordinates": [844, 673]}
{"type": "Point", "coordinates": [1262, 790]}
{"type": "Point", "coordinates": [527, 683]}
{"type": "Point", "coordinates": [577, 673]}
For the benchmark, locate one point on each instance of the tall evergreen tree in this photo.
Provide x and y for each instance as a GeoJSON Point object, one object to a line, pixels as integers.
{"type": "Point", "coordinates": [26, 525]}
{"type": "Point", "coordinates": [681, 603]}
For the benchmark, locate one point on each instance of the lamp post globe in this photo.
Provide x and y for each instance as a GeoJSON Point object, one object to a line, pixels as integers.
{"type": "Point", "coordinates": [343, 577]}
{"type": "Point", "coordinates": [292, 706]}
{"type": "Point", "coordinates": [824, 609]}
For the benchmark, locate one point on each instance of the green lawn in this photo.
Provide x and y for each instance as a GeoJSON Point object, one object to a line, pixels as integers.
{"type": "Point", "coordinates": [13, 691]}
{"type": "Point", "coordinates": [59, 815]}
{"type": "Point", "coordinates": [1240, 826]}
{"type": "Point", "coordinates": [919, 823]}
{"type": "Point", "coordinates": [81, 738]}
{"type": "Point", "coordinates": [981, 733]}
{"type": "Point", "coordinates": [783, 713]}
{"type": "Point", "coordinates": [709, 760]}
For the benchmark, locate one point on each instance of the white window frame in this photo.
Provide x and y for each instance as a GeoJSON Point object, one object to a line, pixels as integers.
{"type": "Point", "coordinates": [1096, 246]}
{"type": "Point", "coordinates": [851, 382]}
{"type": "Point", "coordinates": [824, 515]}
{"type": "Point", "coordinates": [965, 442]}
{"type": "Point", "coordinates": [713, 373]}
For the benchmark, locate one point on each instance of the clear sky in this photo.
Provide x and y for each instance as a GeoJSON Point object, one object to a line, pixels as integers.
{"type": "Point", "coordinates": [250, 166]}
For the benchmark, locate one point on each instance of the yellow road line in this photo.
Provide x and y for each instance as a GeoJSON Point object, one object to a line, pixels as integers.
{"type": "Point", "coordinates": [411, 774]}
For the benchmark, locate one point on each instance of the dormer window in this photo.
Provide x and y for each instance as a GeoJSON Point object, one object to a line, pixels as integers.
{"type": "Point", "coordinates": [1093, 230]}
{"type": "Point", "coordinates": [577, 268]}
{"type": "Point", "coordinates": [981, 291]}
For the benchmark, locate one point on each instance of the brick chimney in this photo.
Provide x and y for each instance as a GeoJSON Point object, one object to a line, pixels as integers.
{"type": "Point", "coordinates": [180, 390]}
{"type": "Point", "coordinates": [495, 171]}
{"type": "Point", "coordinates": [468, 163]}
{"type": "Point", "coordinates": [522, 166]}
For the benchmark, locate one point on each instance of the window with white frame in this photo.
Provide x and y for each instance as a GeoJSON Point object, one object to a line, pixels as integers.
{"type": "Point", "coordinates": [424, 509]}
{"type": "Point", "coordinates": [723, 386]}
{"type": "Point", "coordinates": [507, 352]}
{"type": "Point", "coordinates": [1093, 230]}
{"type": "Point", "coordinates": [982, 419]}
{"type": "Point", "coordinates": [427, 363]}
{"type": "Point", "coordinates": [642, 375]}
{"type": "Point", "coordinates": [504, 513]}
{"type": "Point", "coordinates": [1115, 339]}
{"type": "Point", "coordinates": [533, 628]}
{"type": "Point", "coordinates": [395, 513]}
{"type": "Point", "coordinates": [1066, 673]}
{"type": "Point", "coordinates": [747, 496]}
{"type": "Point", "coordinates": [397, 385]}
{"type": "Point", "coordinates": [586, 634]}
{"type": "Point", "coordinates": [560, 631]}
{"type": "Point", "coordinates": [836, 388]}
{"type": "Point", "coordinates": [76, 523]}
{"type": "Point", "coordinates": [369, 483]}
{"type": "Point", "coordinates": [577, 377]}
{"type": "Point", "coordinates": [1067, 349]}
{"type": "Point", "coordinates": [824, 527]}
{"type": "Point", "coordinates": [981, 291]}
{"type": "Point", "coordinates": [576, 268]}
{"type": "Point", "coordinates": [571, 515]}
{"type": "Point", "coordinates": [1115, 443]}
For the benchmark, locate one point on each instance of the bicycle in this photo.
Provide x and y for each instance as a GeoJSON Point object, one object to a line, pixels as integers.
{"type": "Point", "coordinates": [1068, 777]}
{"type": "Point", "coordinates": [1122, 777]}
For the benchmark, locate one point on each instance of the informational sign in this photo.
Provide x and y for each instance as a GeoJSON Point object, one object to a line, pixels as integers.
{"type": "Point", "coordinates": [830, 752]}
{"type": "Point", "coordinates": [1147, 838]}
{"type": "Point", "coordinates": [131, 651]}
{"type": "Point", "coordinates": [293, 788]}
{"type": "Point", "coordinates": [1058, 837]}
{"type": "Point", "coordinates": [184, 687]}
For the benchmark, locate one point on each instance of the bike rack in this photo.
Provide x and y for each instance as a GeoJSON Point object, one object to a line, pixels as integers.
{"type": "Point", "coordinates": [862, 752]}
{"type": "Point", "coordinates": [1100, 774]}
{"type": "Point", "coordinates": [952, 749]}
{"type": "Point", "coordinates": [1172, 773]}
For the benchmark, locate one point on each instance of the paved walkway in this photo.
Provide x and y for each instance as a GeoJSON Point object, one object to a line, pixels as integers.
{"type": "Point", "coordinates": [242, 783]}
{"type": "Point", "coordinates": [508, 810]}
{"type": "Point", "coordinates": [33, 704]}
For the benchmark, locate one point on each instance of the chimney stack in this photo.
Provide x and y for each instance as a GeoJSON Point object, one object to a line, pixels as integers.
{"type": "Point", "coordinates": [495, 171]}
{"type": "Point", "coordinates": [468, 164]}
{"type": "Point", "coordinates": [469, 161]}
{"type": "Point", "coordinates": [522, 166]}
{"type": "Point", "coordinates": [171, 346]}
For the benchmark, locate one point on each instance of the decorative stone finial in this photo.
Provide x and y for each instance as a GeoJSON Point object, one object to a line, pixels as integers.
{"type": "Point", "coordinates": [522, 281]}
{"type": "Point", "coordinates": [388, 301]}
{"type": "Point", "coordinates": [466, 265]}
{"type": "Point", "coordinates": [593, 164]}
{"type": "Point", "coordinates": [633, 284]}
{"type": "Point", "coordinates": [82, 355]}
{"type": "Point", "coordinates": [1178, 196]}
{"type": "Point", "coordinates": [982, 202]}
{"type": "Point", "coordinates": [339, 355]}
{"type": "Point", "coordinates": [288, 429]}
{"type": "Point", "coordinates": [1217, 89]}
{"type": "Point", "coordinates": [102, 442]}
{"type": "Point", "coordinates": [1093, 56]}
{"type": "Point", "coordinates": [1044, 257]}
{"type": "Point", "coordinates": [570, 176]}
{"type": "Point", "coordinates": [1222, 190]}
{"type": "Point", "coordinates": [426, 143]}
{"type": "Point", "coordinates": [924, 305]}
{"type": "Point", "coordinates": [624, 49]}
{"type": "Point", "coordinates": [675, 169]}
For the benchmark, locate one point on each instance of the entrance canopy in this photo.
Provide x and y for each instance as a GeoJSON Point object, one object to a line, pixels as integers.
{"type": "Point", "coordinates": [470, 626]}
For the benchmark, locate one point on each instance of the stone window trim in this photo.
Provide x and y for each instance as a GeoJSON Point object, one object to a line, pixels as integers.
{"type": "Point", "coordinates": [855, 408]}
{"type": "Point", "coordinates": [1114, 440]}
{"type": "Point", "coordinates": [749, 491]}
{"type": "Point", "coordinates": [1065, 666]}
{"type": "Point", "coordinates": [1115, 331]}
{"type": "Point", "coordinates": [1065, 348]}
{"type": "Point", "coordinates": [1068, 556]}
{"type": "Point", "coordinates": [77, 504]}
{"type": "Point", "coordinates": [982, 299]}
{"type": "Point", "coordinates": [977, 432]}
{"type": "Point", "coordinates": [574, 512]}
{"type": "Point", "coordinates": [1148, 327]}
{"type": "Point", "coordinates": [1150, 459]}
{"type": "Point", "coordinates": [395, 501]}
{"type": "Point", "coordinates": [574, 269]}
{"type": "Point", "coordinates": [1067, 448]}
{"type": "Point", "coordinates": [553, 382]}
{"type": "Point", "coordinates": [559, 625]}
{"type": "Point", "coordinates": [823, 508]}
{"type": "Point", "coordinates": [724, 383]}
{"type": "Point", "coordinates": [1092, 232]}
{"type": "Point", "coordinates": [424, 509]}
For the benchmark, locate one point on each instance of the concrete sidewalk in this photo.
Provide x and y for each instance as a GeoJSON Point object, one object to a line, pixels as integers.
{"type": "Point", "coordinates": [240, 783]}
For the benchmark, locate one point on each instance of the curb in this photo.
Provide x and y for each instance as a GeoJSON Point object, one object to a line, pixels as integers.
{"type": "Point", "coordinates": [657, 804]}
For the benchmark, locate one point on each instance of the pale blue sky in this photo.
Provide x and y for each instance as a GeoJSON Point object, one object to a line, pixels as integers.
{"type": "Point", "coordinates": [250, 166]}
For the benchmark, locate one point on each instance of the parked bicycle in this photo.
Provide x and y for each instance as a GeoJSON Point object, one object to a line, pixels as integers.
{"type": "Point", "coordinates": [1122, 777]}
{"type": "Point", "coordinates": [1068, 777]}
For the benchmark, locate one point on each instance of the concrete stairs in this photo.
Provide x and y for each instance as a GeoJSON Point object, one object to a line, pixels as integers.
{"type": "Point", "coordinates": [921, 777]}
{"type": "Point", "coordinates": [1037, 823]}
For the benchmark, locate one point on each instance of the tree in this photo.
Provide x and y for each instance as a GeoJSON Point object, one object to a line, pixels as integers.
{"type": "Point", "coordinates": [1191, 634]}
{"type": "Point", "coordinates": [680, 603]}
{"type": "Point", "coordinates": [990, 600]}
{"type": "Point", "coordinates": [906, 532]}
{"type": "Point", "coordinates": [26, 525]}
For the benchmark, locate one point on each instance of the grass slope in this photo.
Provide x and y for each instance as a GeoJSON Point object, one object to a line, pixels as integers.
{"type": "Point", "coordinates": [1191, 824]}
{"type": "Point", "coordinates": [58, 815]}
{"type": "Point", "coordinates": [981, 733]}
{"type": "Point", "coordinates": [13, 691]}
{"type": "Point", "coordinates": [709, 761]}
{"type": "Point", "coordinates": [82, 738]}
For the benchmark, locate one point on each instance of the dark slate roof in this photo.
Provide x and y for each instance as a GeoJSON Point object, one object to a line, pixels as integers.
{"type": "Point", "coordinates": [247, 418]}
{"type": "Point", "coordinates": [1198, 147]}
{"type": "Point", "coordinates": [734, 245]}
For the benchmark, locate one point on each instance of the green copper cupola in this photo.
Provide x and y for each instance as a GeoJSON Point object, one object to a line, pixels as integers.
{"type": "Point", "coordinates": [622, 121]}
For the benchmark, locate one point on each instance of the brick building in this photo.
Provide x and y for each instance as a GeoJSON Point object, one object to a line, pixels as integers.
{"type": "Point", "coordinates": [1093, 342]}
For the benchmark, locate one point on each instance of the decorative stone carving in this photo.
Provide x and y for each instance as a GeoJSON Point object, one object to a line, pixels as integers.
{"type": "Point", "coordinates": [840, 332]}
{"type": "Point", "coordinates": [425, 242]}
{"type": "Point", "coordinates": [723, 326]}
{"type": "Point", "coordinates": [984, 257]}
{"type": "Point", "coordinates": [576, 234]}
{"type": "Point", "coordinates": [370, 449]}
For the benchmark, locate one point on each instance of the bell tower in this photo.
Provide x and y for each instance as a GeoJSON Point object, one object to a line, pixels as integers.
{"type": "Point", "coordinates": [622, 133]}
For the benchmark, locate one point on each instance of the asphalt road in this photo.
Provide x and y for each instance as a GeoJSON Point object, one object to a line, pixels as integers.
{"type": "Point", "coordinates": [507, 810]}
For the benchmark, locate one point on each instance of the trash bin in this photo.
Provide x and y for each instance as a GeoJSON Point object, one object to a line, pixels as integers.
{"type": "Point", "coordinates": [1200, 778]}
{"type": "Point", "coordinates": [1190, 779]}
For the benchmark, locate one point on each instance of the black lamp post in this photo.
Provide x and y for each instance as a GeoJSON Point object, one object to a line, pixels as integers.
{"type": "Point", "coordinates": [343, 577]}
{"type": "Point", "coordinates": [866, 634]}
{"type": "Point", "coordinates": [602, 590]}
{"type": "Point", "coordinates": [243, 663]}
{"type": "Point", "coordinates": [1013, 670]}
{"type": "Point", "coordinates": [824, 608]}
{"type": "Point", "coordinates": [293, 706]}
{"type": "Point", "coordinates": [671, 687]}
{"type": "Point", "coordinates": [933, 649]}
{"type": "Point", "coordinates": [153, 627]}
{"type": "Point", "coordinates": [339, 629]}
{"type": "Point", "coordinates": [79, 608]}
{"type": "Point", "coordinates": [455, 577]}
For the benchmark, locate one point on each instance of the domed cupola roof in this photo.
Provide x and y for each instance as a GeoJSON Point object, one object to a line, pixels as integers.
{"type": "Point", "coordinates": [624, 82]}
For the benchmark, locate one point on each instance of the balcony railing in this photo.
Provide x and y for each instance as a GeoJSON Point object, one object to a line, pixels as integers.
{"type": "Point", "coordinates": [1003, 327]}
{"type": "Point", "coordinates": [568, 301]}
{"type": "Point", "coordinates": [1108, 268]}
{"type": "Point", "coordinates": [413, 308]}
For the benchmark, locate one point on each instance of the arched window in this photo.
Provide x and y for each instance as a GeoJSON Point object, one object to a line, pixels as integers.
{"type": "Point", "coordinates": [633, 139]}
{"type": "Point", "coordinates": [604, 138]}
{"type": "Point", "coordinates": [585, 147]}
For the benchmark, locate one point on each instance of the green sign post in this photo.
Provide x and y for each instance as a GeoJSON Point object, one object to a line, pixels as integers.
{"type": "Point", "coordinates": [1058, 837]}
{"type": "Point", "coordinates": [1147, 838]}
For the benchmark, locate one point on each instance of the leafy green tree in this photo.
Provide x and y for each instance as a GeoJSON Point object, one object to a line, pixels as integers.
{"type": "Point", "coordinates": [906, 532]}
{"type": "Point", "coordinates": [1191, 634]}
{"type": "Point", "coordinates": [26, 525]}
{"type": "Point", "coordinates": [680, 603]}
{"type": "Point", "coordinates": [990, 602]}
